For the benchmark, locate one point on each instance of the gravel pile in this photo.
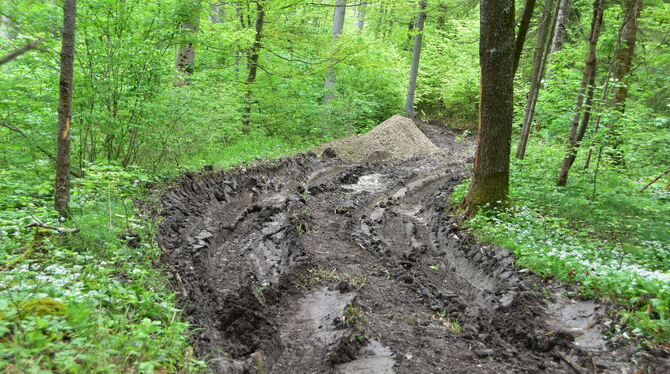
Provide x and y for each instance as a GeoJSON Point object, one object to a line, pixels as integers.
{"type": "Point", "coordinates": [398, 138]}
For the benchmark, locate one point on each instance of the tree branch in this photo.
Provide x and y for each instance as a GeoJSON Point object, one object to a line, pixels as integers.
{"type": "Point", "coordinates": [18, 52]}
{"type": "Point", "coordinates": [655, 180]}
{"type": "Point", "coordinates": [44, 151]}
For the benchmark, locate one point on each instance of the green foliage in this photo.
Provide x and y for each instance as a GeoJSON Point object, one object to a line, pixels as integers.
{"type": "Point", "coordinates": [87, 302]}
{"type": "Point", "coordinates": [601, 233]}
{"type": "Point", "coordinates": [135, 118]}
{"type": "Point", "coordinates": [448, 90]}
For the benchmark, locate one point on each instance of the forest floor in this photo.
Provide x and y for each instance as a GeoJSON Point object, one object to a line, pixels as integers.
{"type": "Point", "coordinates": [322, 264]}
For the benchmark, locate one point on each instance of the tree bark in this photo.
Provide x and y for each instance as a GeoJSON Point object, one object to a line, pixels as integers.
{"type": "Point", "coordinates": [381, 21]}
{"type": "Point", "coordinates": [490, 179]}
{"type": "Point", "coordinates": [416, 59]}
{"type": "Point", "coordinates": [361, 17]}
{"type": "Point", "coordinates": [523, 31]}
{"type": "Point", "coordinates": [539, 63]}
{"type": "Point", "coordinates": [596, 126]}
{"type": "Point", "coordinates": [561, 25]}
{"type": "Point", "coordinates": [624, 61]}
{"type": "Point", "coordinates": [217, 14]}
{"type": "Point", "coordinates": [62, 183]}
{"type": "Point", "coordinates": [585, 93]}
{"type": "Point", "coordinates": [185, 57]}
{"type": "Point", "coordinates": [442, 16]}
{"type": "Point", "coordinates": [338, 25]}
{"type": "Point", "coordinates": [253, 62]}
{"type": "Point", "coordinates": [5, 30]}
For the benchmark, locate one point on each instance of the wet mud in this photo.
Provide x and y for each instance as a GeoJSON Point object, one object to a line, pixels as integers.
{"type": "Point", "coordinates": [318, 265]}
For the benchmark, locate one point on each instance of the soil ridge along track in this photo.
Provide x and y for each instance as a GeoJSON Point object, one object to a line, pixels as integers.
{"type": "Point", "coordinates": [318, 265]}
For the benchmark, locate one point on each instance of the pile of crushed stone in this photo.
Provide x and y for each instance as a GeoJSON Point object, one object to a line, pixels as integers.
{"type": "Point", "coordinates": [397, 137]}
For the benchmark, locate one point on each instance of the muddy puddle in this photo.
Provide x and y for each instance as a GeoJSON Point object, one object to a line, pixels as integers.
{"type": "Point", "coordinates": [318, 265]}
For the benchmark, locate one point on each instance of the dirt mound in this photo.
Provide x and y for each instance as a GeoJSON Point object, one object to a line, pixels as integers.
{"type": "Point", "coordinates": [315, 265]}
{"type": "Point", "coordinates": [398, 138]}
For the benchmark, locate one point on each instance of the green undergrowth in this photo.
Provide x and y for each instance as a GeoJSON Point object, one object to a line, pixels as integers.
{"type": "Point", "coordinates": [599, 232]}
{"type": "Point", "coordinates": [254, 146]}
{"type": "Point", "coordinates": [97, 300]}
{"type": "Point", "coordinates": [92, 301]}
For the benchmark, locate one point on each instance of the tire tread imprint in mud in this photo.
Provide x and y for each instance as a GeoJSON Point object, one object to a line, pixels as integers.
{"type": "Point", "coordinates": [319, 265]}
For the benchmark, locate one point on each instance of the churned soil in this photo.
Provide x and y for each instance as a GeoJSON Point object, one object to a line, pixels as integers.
{"type": "Point", "coordinates": [350, 262]}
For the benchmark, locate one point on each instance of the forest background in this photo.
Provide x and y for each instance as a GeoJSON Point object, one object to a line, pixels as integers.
{"type": "Point", "coordinates": [166, 86]}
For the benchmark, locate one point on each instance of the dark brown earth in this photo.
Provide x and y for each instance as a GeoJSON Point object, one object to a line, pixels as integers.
{"type": "Point", "coordinates": [319, 265]}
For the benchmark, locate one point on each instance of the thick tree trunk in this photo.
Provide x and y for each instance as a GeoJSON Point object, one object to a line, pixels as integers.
{"type": "Point", "coordinates": [338, 25]}
{"type": "Point", "coordinates": [523, 31]}
{"type": "Point", "coordinates": [585, 93]}
{"type": "Point", "coordinates": [539, 63]}
{"type": "Point", "coordinates": [561, 25]}
{"type": "Point", "coordinates": [361, 17]}
{"type": "Point", "coordinates": [490, 179]}
{"type": "Point", "coordinates": [252, 68]}
{"type": "Point", "coordinates": [185, 57]}
{"type": "Point", "coordinates": [416, 58]}
{"type": "Point", "coordinates": [624, 61]}
{"type": "Point", "coordinates": [62, 184]}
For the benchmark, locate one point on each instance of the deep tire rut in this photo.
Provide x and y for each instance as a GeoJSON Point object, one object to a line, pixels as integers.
{"type": "Point", "coordinates": [317, 265]}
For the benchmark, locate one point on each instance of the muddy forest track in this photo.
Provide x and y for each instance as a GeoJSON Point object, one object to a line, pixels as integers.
{"type": "Point", "coordinates": [318, 265]}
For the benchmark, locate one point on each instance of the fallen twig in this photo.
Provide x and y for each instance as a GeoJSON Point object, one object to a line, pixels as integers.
{"type": "Point", "coordinates": [576, 368]}
{"type": "Point", "coordinates": [40, 224]}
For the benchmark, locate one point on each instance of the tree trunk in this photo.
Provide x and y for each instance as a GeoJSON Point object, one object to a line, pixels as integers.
{"type": "Point", "coordinates": [490, 179]}
{"type": "Point", "coordinates": [442, 17]}
{"type": "Point", "coordinates": [561, 25]}
{"type": "Point", "coordinates": [585, 92]}
{"type": "Point", "coordinates": [523, 31]}
{"type": "Point", "coordinates": [416, 58]}
{"type": "Point", "coordinates": [539, 63]}
{"type": "Point", "coordinates": [62, 184]}
{"type": "Point", "coordinates": [217, 14]}
{"type": "Point", "coordinates": [338, 25]}
{"type": "Point", "coordinates": [361, 17]}
{"type": "Point", "coordinates": [596, 126]}
{"type": "Point", "coordinates": [5, 30]}
{"type": "Point", "coordinates": [185, 57]}
{"type": "Point", "coordinates": [252, 68]}
{"type": "Point", "coordinates": [410, 33]}
{"type": "Point", "coordinates": [624, 60]}
{"type": "Point", "coordinates": [381, 20]}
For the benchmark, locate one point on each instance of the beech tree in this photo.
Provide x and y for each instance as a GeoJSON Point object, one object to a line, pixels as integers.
{"type": "Point", "coordinates": [523, 31]}
{"type": "Point", "coordinates": [338, 25]}
{"type": "Point", "coordinates": [416, 58]}
{"type": "Point", "coordinates": [62, 185]}
{"type": "Point", "coordinates": [490, 179]}
{"type": "Point", "coordinates": [252, 67]}
{"type": "Point", "coordinates": [624, 61]}
{"type": "Point", "coordinates": [561, 25]}
{"type": "Point", "coordinates": [540, 57]}
{"type": "Point", "coordinates": [361, 17]}
{"type": "Point", "coordinates": [185, 57]}
{"type": "Point", "coordinates": [585, 95]}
